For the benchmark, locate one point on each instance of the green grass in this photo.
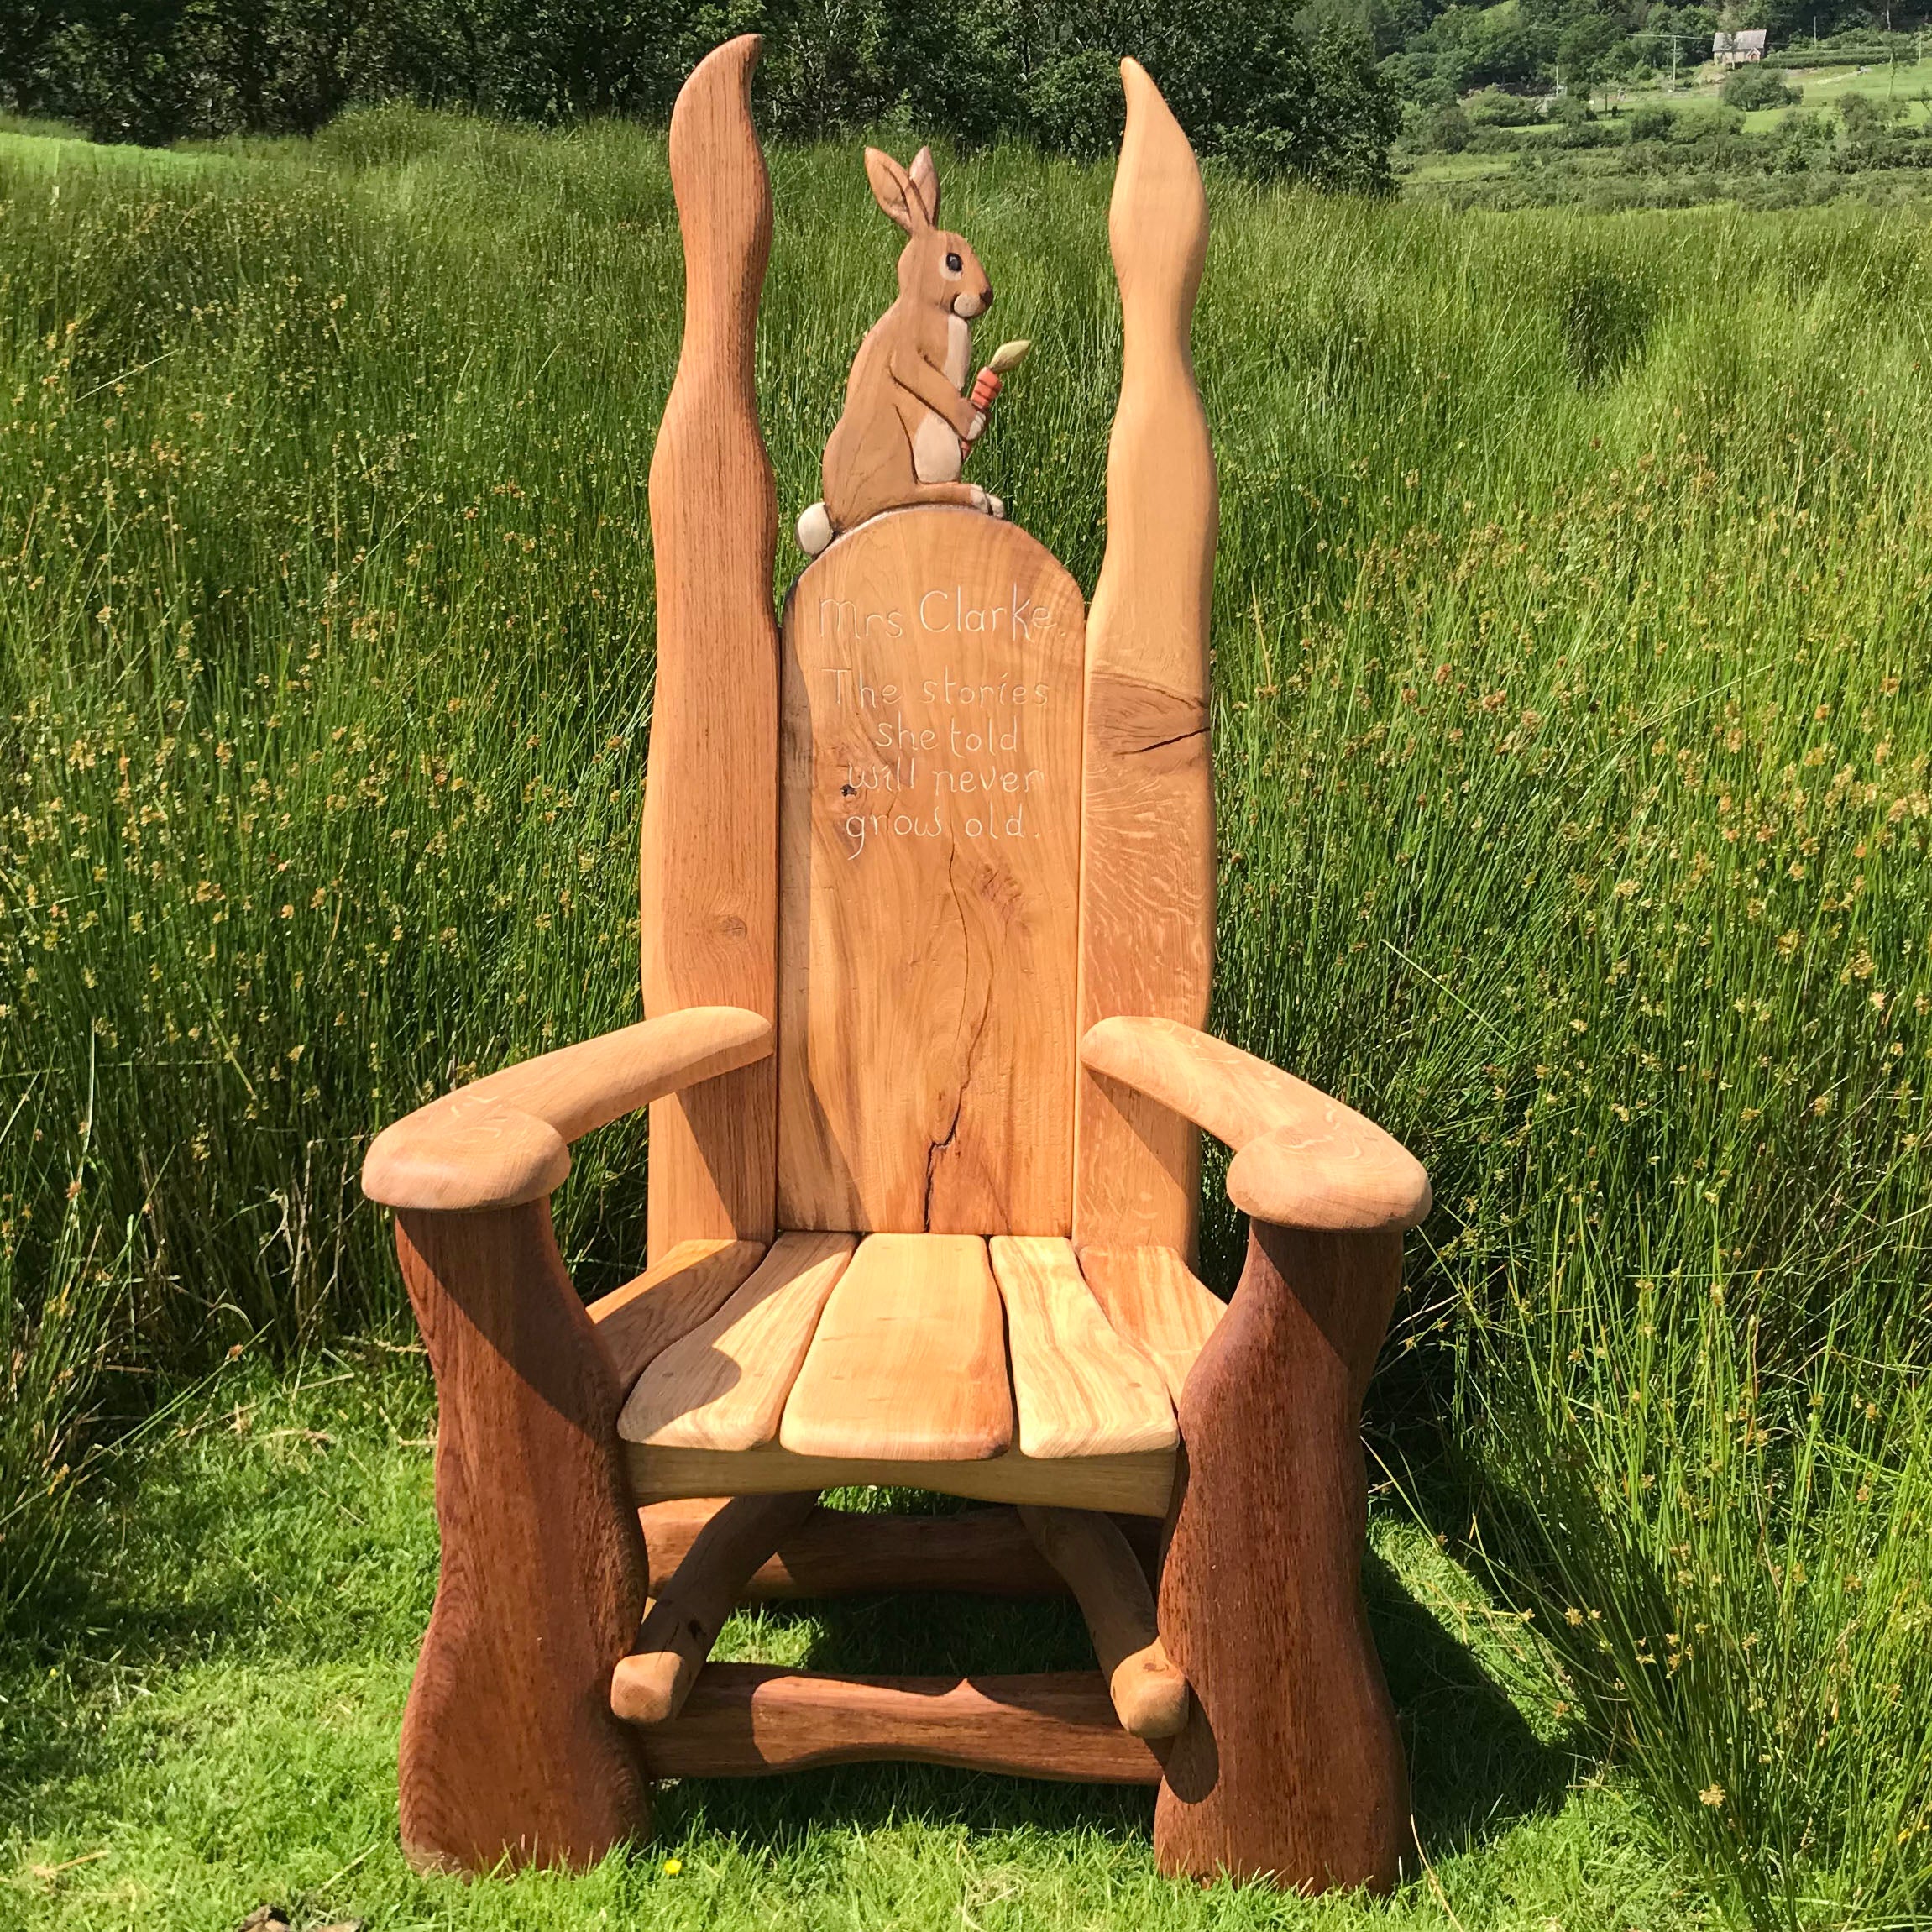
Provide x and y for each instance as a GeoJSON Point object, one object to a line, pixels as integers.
{"type": "Point", "coordinates": [1573, 722]}
{"type": "Point", "coordinates": [211, 1724]}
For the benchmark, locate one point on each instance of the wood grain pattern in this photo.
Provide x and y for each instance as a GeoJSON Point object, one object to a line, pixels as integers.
{"type": "Point", "coordinates": [723, 1386]}
{"type": "Point", "coordinates": [1147, 856]}
{"type": "Point", "coordinates": [929, 862]}
{"type": "Point", "coordinates": [649, 1686]}
{"type": "Point", "coordinates": [908, 1363]}
{"type": "Point", "coordinates": [1149, 1694]}
{"type": "Point", "coordinates": [840, 1553]}
{"type": "Point", "coordinates": [744, 1719]}
{"type": "Point", "coordinates": [1140, 1485]}
{"type": "Point", "coordinates": [708, 866]}
{"type": "Point", "coordinates": [1301, 1160]}
{"type": "Point", "coordinates": [1153, 1300]}
{"type": "Point", "coordinates": [1078, 1389]}
{"type": "Point", "coordinates": [509, 1749]}
{"type": "Point", "coordinates": [504, 1139]}
{"type": "Point", "coordinates": [646, 1316]}
{"type": "Point", "coordinates": [1291, 1765]}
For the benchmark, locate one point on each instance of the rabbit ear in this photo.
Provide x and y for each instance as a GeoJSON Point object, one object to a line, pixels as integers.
{"type": "Point", "coordinates": [926, 179]}
{"type": "Point", "coordinates": [893, 190]}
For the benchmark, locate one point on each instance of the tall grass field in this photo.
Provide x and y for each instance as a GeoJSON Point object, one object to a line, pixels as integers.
{"type": "Point", "coordinates": [1574, 713]}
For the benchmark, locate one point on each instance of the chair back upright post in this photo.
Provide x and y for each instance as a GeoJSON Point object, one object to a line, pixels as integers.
{"type": "Point", "coordinates": [1147, 853]}
{"type": "Point", "coordinates": [708, 885]}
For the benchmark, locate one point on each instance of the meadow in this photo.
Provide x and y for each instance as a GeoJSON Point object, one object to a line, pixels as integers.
{"type": "Point", "coordinates": [1843, 131]}
{"type": "Point", "coordinates": [1574, 728]}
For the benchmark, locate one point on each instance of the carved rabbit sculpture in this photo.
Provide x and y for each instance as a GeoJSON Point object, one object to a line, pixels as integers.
{"type": "Point", "coordinates": [907, 423]}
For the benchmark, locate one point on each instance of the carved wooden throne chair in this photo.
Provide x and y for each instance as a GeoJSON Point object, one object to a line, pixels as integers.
{"type": "Point", "coordinates": [928, 933]}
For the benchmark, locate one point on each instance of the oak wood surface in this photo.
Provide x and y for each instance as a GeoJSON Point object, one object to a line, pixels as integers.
{"type": "Point", "coordinates": [709, 868]}
{"type": "Point", "coordinates": [1101, 1569]}
{"type": "Point", "coordinates": [504, 1139]}
{"type": "Point", "coordinates": [644, 1316]}
{"type": "Point", "coordinates": [723, 1385]}
{"type": "Point", "coordinates": [743, 1719]}
{"type": "Point", "coordinates": [1140, 1485]}
{"type": "Point", "coordinates": [1289, 1766]}
{"type": "Point", "coordinates": [1147, 855]}
{"type": "Point", "coordinates": [929, 863]}
{"type": "Point", "coordinates": [907, 1364]}
{"type": "Point", "coordinates": [1079, 1390]}
{"type": "Point", "coordinates": [509, 1749]}
{"type": "Point", "coordinates": [1302, 1159]}
{"type": "Point", "coordinates": [836, 1552]}
{"type": "Point", "coordinates": [1153, 1300]}
{"type": "Point", "coordinates": [651, 1685]}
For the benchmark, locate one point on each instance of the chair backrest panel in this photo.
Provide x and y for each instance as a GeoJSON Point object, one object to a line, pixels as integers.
{"type": "Point", "coordinates": [930, 729]}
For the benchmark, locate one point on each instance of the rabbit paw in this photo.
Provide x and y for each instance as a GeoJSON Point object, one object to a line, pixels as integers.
{"type": "Point", "coordinates": [977, 427]}
{"type": "Point", "coordinates": [995, 507]}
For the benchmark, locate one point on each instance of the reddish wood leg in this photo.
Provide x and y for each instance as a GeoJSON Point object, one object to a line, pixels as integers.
{"type": "Point", "coordinates": [509, 1751]}
{"type": "Point", "coordinates": [1290, 1767]}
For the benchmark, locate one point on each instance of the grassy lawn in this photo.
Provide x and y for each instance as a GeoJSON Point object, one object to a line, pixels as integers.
{"type": "Point", "coordinates": [1574, 719]}
{"type": "Point", "coordinates": [209, 1722]}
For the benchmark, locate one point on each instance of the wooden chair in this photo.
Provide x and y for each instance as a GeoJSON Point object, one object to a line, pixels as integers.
{"type": "Point", "coordinates": [928, 933]}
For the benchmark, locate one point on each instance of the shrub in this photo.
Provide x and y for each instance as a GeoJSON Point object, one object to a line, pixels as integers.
{"type": "Point", "coordinates": [1585, 133]}
{"type": "Point", "coordinates": [1707, 122]}
{"type": "Point", "coordinates": [1757, 86]}
{"type": "Point", "coordinates": [1804, 140]}
{"type": "Point", "coordinates": [1494, 109]}
{"type": "Point", "coordinates": [1864, 117]}
{"type": "Point", "coordinates": [1448, 130]}
{"type": "Point", "coordinates": [1652, 122]}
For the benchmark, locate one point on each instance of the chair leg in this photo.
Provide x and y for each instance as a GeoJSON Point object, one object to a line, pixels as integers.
{"type": "Point", "coordinates": [1291, 1766]}
{"type": "Point", "coordinates": [510, 1749]}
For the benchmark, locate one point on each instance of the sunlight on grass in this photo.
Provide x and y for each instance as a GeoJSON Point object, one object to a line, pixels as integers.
{"type": "Point", "coordinates": [1572, 709]}
{"type": "Point", "coordinates": [224, 1734]}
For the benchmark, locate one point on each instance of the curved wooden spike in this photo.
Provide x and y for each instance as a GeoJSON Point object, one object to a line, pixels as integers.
{"type": "Point", "coordinates": [1147, 858]}
{"type": "Point", "coordinates": [710, 851]}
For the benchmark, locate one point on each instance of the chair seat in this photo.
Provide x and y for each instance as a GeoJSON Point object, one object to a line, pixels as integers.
{"type": "Point", "coordinates": [1011, 1370]}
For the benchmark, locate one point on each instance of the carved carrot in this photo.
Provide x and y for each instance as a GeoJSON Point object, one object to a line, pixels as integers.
{"type": "Point", "coordinates": [988, 383]}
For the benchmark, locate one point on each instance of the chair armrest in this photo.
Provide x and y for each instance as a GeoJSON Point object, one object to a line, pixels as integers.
{"type": "Point", "coordinates": [1301, 1159]}
{"type": "Point", "coordinates": [505, 1139]}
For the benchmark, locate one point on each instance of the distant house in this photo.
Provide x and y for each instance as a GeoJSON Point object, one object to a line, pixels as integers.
{"type": "Point", "coordinates": [1729, 49]}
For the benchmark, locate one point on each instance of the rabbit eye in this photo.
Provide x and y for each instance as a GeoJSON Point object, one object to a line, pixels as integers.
{"type": "Point", "coordinates": [954, 265]}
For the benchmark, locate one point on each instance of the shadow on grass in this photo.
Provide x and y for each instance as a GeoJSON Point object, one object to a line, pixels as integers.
{"type": "Point", "coordinates": [1475, 1765]}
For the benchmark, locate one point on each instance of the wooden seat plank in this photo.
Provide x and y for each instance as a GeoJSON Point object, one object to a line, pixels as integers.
{"type": "Point", "coordinates": [723, 1386]}
{"type": "Point", "coordinates": [1152, 1297]}
{"type": "Point", "coordinates": [907, 1364]}
{"type": "Point", "coordinates": [638, 1322]}
{"type": "Point", "coordinates": [1080, 1391]}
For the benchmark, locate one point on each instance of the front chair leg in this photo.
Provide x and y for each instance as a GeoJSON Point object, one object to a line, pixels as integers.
{"type": "Point", "coordinates": [1291, 1765]}
{"type": "Point", "coordinates": [509, 1751]}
